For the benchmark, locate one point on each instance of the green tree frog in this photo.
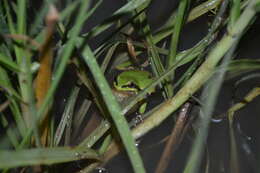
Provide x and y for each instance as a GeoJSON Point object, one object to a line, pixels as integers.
{"type": "Point", "coordinates": [134, 81]}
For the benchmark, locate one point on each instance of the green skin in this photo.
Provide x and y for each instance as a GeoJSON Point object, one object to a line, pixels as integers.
{"type": "Point", "coordinates": [134, 81]}
{"type": "Point", "coordinates": [127, 65]}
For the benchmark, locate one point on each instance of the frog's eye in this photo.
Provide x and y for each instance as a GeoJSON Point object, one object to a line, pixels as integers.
{"type": "Point", "coordinates": [116, 81]}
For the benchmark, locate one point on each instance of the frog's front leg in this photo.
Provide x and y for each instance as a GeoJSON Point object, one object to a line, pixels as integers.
{"type": "Point", "coordinates": [142, 108]}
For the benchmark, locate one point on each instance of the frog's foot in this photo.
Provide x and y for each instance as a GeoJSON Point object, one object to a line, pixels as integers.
{"type": "Point", "coordinates": [137, 120]}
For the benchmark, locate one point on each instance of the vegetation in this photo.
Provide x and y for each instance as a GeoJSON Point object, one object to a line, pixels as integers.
{"type": "Point", "coordinates": [37, 50]}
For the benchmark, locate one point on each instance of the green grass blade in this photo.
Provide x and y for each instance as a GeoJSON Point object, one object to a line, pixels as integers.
{"type": "Point", "coordinates": [115, 111]}
{"type": "Point", "coordinates": [171, 58]}
{"type": "Point", "coordinates": [3, 25]}
{"type": "Point", "coordinates": [234, 12]}
{"type": "Point", "coordinates": [203, 8]}
{"type": "Point", "coordinates": [29, 109]}
{"type": "Point", "coordinates": [130, 6]}
{"type": "Point", "coordinates": [10, 132]}
{"type": "Point", "coordinates": [5, 83]}
{"type": "Point", "coordinates": [244, 65]}
{"type": "Point", "coordinates": [10, 22]}
{"type": "Point", "coordinates": [8, 63]}
{"type": "Point", "coordinates": [176, 32]}
{"type": "Point", "coordinates": [66, 116]}
{"type": "Point", "coordinates": [11, 93]}
{"type": "Point", "coordinates": [44, 156]}
{"type": "Point", "coordinates": [96, 134]}
{"type": "Point", "coordinates": [79, 117]}
{"type": "Point", "coordinates": [108, 56]}
{"type": "Point", "coordinates": [69, 10]}
{"type": "Point", "coordinates": [21, 17]}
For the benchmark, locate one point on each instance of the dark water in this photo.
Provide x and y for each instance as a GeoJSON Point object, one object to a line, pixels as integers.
{"type": "Point", "coordinates": [246, 122]}
{"type": "Point", "coordinates": [218, 145]}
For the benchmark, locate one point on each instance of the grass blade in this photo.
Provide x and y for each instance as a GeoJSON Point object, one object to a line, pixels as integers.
{"type": "Point", "coordinates": [21, 16]}
{"type": "Point", "coordinates": [10, 132]}
{"type": "Point", "coordinates": [67, 116]}
{"type": "Point", "coordinates": [44, 156]}
{"type": "Point", "coordinates": [176, 32]}
{"type": "Point", "coordinates": [5, 61]}
{"type": "Point", "coordinates": [115, 111]}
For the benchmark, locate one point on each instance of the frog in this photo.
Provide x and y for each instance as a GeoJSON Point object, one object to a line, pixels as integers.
{"type": "Point", "coordinates": [133, 81]}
